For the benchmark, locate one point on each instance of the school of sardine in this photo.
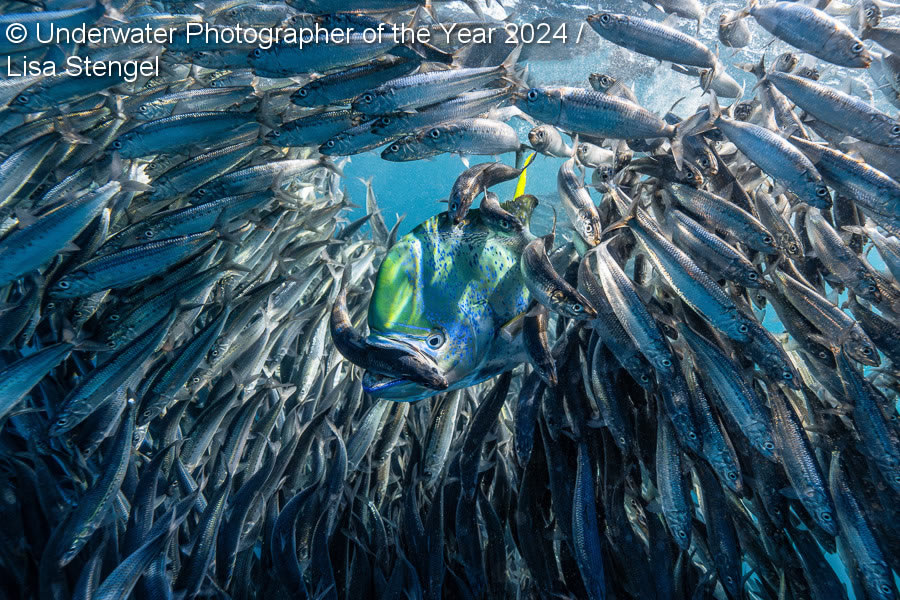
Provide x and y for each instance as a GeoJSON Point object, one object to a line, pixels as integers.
{"type": "Point", "coordinates": [214, 384]}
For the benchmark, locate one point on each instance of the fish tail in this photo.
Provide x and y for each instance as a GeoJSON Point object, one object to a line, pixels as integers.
{"type": "Point", "coordinates": [630, 213]}
{"type": "Point", "coordinates": [509, 68]}
{"type": "Point", "coordinates": [112, 12]}
{"type": "Point", "coordinates": [697, 123]}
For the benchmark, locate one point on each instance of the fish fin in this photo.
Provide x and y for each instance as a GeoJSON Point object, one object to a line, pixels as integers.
{"type": "Point", "coordinates": [112, 12]}
{"type": "Point", "coordinates": [509, 63]}
{"type": "Point", "coordinates": [789, 493]}
{"type": "Point", "coordinates": [631, 213]}
{"type": "Point", "coordinates": [513, 327]}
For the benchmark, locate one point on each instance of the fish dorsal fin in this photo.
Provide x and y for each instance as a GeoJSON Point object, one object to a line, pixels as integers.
{"type": "Point", "coordinates": [521, 207]}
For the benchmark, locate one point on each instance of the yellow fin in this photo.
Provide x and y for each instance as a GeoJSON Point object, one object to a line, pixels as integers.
{"type": "Point", "coordinates": [523, 178]}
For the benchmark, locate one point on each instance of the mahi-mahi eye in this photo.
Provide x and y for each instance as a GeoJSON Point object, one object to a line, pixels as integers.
{"type": "Point", "coordinates": [436, 340]}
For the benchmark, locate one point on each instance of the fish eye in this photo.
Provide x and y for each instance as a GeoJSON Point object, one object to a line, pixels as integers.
{"type": "Point", "coordinates": [23, 99]}
{"type": "Point", "coordinates": [857, 47]}
{"type": "Point", "coordinates": [77, 313]}
{"type": "Point", "coordinates": [895, 129]}
{"type": "Point", "coordinates": [504, 224]}
{"type": "Point", "coordinates": [866, 351]}
{"type": "Point", "coordinates": [302, 93]}
{"type": "Point", "coordinates": [825, 516]}
{"type": "Point", "coordinates": [195, 379]}
{"type": "Point", "coordinates": [532, 95]}
{"type": "Point", "coordinates": [330, 144]}
{"type": "Point", "coordinates": [434, 134]}
{"type": "Point", "coordinates": [605, 19]}
{"type": "Point", "coordinates": [384, 121]}
{"type": "Point", "coordinates": [367, 98]}
{"type": "Point", "coordinates": [51, 305]}
{"type": "Point", "coordinates": [276, 133]}
{"type": "Point", "coordinates": [257, 53]}
{"type": "Point", "coordinates": [645, 378]}
{"type": "Point", "coordinates": [63, 285]}
{"type": "Point", "coordinates": [767, 239]}
{"type": "Point", "coordinates": [885, 588]}
{"type": "Point", "coordinates": [117, 145]}
{"type": "Point", "coordinates": [148, 233]}
{"type": "Point", "coordinates": [143, 108]}
{"type": "Point", "coordinates": [436, 339]}
{"type": "Point", "coordinates": [682, 534]}
{"type": "Point", "coordinates": [692, 436]}
{"type": "Point", "coordinates": [394, 148]}
{"type": "Point", "coordinates": [732, 475]}
{"type": "Point", "coordinates": [666, 362]}
{"type": "Point", "coordinates": [821, 191]}
{"type": "Point", "coordinates": [110, 344]}
{"type": "Point", "coordinates": [769, 446]}
{"type": "Point", "coordinates": [453, 206]}
{"type": "Point", "coordinates": [743, 328]}
{"type": "Point", "coordinates": [872, 288]}
{"type": "Point", "coordinates": [793, 248]}
{"type": "Point", "coordinates": [577, 307]}
{"type": "Point", "coordinates": [822, 354]}
{"type": "Point", "coordinates": [752, 276]}
{"type": "Point", "coordinates": [787, 375]}
{"type": "Point", "coordinates": [114, 318]}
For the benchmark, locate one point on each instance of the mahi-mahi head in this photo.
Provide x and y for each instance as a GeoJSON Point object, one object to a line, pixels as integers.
{"type": "Point", "coordinates": [445, 292]}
